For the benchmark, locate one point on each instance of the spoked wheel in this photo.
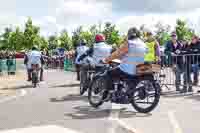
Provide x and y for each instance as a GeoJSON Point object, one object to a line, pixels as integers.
{"type": "Point", "coordinates": [145, 96]}
{"type": "Point", "coordinates": [83, 80]}
{"type": "Point", "coordinates": [96, 92]}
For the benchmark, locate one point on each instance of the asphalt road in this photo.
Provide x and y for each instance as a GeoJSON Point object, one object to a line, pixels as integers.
{"type": "Point", "coordinates": [55, 106]}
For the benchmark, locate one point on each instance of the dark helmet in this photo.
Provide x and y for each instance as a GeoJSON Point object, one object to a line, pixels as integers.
{"type": "Point", "coordinates": [133, 33]}
{"type": "Point", "coordinates": [83, 42]}
{"type": "Point", "coordinates": [34, 47]}
{"type": "Point", "coordinates": [99, 38]}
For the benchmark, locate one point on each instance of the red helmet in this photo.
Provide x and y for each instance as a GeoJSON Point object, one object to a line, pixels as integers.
{"type": "Point", "coordinates": [99, 38]}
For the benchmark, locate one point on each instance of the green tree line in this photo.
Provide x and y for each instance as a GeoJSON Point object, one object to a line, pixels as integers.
{"type": "Point", "coordinates": [17, 39]}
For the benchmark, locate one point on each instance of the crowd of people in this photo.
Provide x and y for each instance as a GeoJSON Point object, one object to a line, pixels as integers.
{"type": "Point", "coordinates": [8, 62]}
{"type": "Point", "coordinates": [180, 55]}
{"type": "Point", "coordinates": [184, 57]}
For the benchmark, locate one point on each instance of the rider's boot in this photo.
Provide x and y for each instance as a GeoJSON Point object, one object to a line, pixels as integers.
{"type": "Point", "coordinates": [177, 86]}
{"type": "Point", "coordinates": [190, 89]}
{"type": "Point", "coordinates": [184, 90]}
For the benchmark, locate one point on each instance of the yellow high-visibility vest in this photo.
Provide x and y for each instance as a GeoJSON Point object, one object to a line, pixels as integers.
{"type": "Point", "coordinates": [150, 55]}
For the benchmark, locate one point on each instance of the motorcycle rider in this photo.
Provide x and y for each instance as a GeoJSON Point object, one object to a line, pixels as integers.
{"type": "Point", "coordinates": [132, 53]}
{"type": "Point", "coordinates": [98, 51]}
{"type": "Point", "coordinates": [80, 50]}
{"type": "Point", "coordinates": [34, 57]}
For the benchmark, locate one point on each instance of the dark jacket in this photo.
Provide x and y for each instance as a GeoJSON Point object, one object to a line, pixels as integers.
{"type": "Point", "coordinates": [169, 49]}
{"type": "Point", "coordinates": [193, 51]}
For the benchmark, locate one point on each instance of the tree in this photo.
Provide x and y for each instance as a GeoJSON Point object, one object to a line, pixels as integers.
{"type": "Point", "coordinates": [31, 34]}
{"type": "Point", "coordinates": [88, 36]}
{"type": "Point", "coordinates": [183, 32]}
{"type": "Point", "coordinates": [16, 40]}
{"type": "Point", "coordinates": [162, 33]}
{"type": "Point", "coordinates": [43, 43]}
{"type": "Point", "coordinates": [111, 33]}
{"type": "Point", "coordinates": [53, 42]}
{"type": "Point", "coordinates": [65, 40]}
{"type": "Point", "coordinates": [76, 36]}
{"type": "Point", "coordinates": [5, 44]}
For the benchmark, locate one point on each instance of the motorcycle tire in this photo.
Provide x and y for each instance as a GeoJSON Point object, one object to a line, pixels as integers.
{"type": "Point", "coordinates": [90, 92]}
{"type": "Point", "coordinates": [82, 83]}
{"type": "Point", "coordinates": [34, 79]}
{"type": "Point", "coordinates": [155, 102]}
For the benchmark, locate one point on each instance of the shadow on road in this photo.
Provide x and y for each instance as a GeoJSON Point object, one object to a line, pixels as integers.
{"type": "Point", "coordinates": [87, 112]}
{"type": "Point", "coordinates": [66, 85]}
{"type": "Point", "coordinates": [175, 94]}
{"type": "Point", "coordinates": [17, 87]}
{"type": "Point", "coordinates": [195, 97]}
{"type": "Point", "coordinates": [71, 97]}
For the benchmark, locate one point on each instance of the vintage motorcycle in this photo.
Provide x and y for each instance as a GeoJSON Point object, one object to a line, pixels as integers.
{"type": "Point", "coordinates": [142, 89]}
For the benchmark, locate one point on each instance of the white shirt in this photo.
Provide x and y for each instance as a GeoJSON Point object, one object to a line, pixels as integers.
{"type": "Point", "coordinates": [34, 57]}
{"type": "Point", "coordinates": [80, 50]}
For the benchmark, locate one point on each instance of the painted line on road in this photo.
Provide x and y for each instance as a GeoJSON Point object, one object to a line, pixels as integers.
{"type": "Point", "coordinates": [22, 93]}
{"type": "Point", "coordinates": [114, 116]}
{"type": "Point", "coordinates": [42, 129]}
{"type": "Point", "coordinates": [174, 122]}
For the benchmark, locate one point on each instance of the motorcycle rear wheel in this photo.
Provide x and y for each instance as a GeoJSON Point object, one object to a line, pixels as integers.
{"type": "Point", "coordinates": [144, 93]}
{"type": "Point", "coordinates": [34, 79]}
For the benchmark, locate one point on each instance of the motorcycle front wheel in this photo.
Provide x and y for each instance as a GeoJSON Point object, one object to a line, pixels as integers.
{"type": "Point", "coordinates": [96, 92]}
{"type": "Point", "coordinates": [82, 82]}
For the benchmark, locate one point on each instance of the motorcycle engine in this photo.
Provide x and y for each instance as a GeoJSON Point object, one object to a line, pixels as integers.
{"type": "Point", "coordinates": [120, 93]}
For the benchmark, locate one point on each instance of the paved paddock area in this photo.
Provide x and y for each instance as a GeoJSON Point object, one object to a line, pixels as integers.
{"type": "Point", "coordinates": [55, 106]}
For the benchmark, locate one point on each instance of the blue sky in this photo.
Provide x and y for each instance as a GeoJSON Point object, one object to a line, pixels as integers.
{"type": "Point", "coordinates": [54, 15]}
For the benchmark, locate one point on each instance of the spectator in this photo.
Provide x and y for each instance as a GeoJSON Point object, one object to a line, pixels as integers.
{"type": "Point", "coordinates": [1, 62]}
{"type": "Point", "coordinates": [172, 48]}
{"type": "Point", "coordinates": [194, 48]}
{"type": "Point", "coordinates": [153, 54]}
{"type": "Point", "coordinates": [10, 62]}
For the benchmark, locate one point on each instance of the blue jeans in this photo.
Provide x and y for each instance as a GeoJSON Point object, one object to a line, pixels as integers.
{"type": "Point", "coordinates": [195, 70]}
{"type": "Point", "coordinates": [178, 72]}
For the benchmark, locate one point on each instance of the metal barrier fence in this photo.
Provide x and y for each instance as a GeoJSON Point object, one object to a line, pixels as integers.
{"type": "Point", "coordinates": [180, 70]}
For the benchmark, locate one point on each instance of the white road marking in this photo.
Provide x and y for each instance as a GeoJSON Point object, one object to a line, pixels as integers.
{"type": "Point", "coordinates": [22, 93]}
{"type": "Point", "coordinates": [42, 129]}
{"type": "Point", "coordinates": [126, 126]}
{"type": "Point", "coordinates": [114, 116]}
{"type": "Point", "coordinates": [174, 122]}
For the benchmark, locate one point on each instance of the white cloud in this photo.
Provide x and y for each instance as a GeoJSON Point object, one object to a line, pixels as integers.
{"type": "Point", "coordinates": [50, 19]}
{"type": "Point", "coordinates": [69, 14]}
{"type": "Point", "coordinates": [83, 12]}
{"type": "Point", "coordinates": [155, 5]}
{"type": "Point", "coordinates": [192, 17]}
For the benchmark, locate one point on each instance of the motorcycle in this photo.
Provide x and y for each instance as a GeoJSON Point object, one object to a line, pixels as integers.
{"type": "Point", "coordinates": [87, 72]}
{"type": "Point", "coordinates": [35, 74]}
{"type": "Point", "coordinates": [133, 90]}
